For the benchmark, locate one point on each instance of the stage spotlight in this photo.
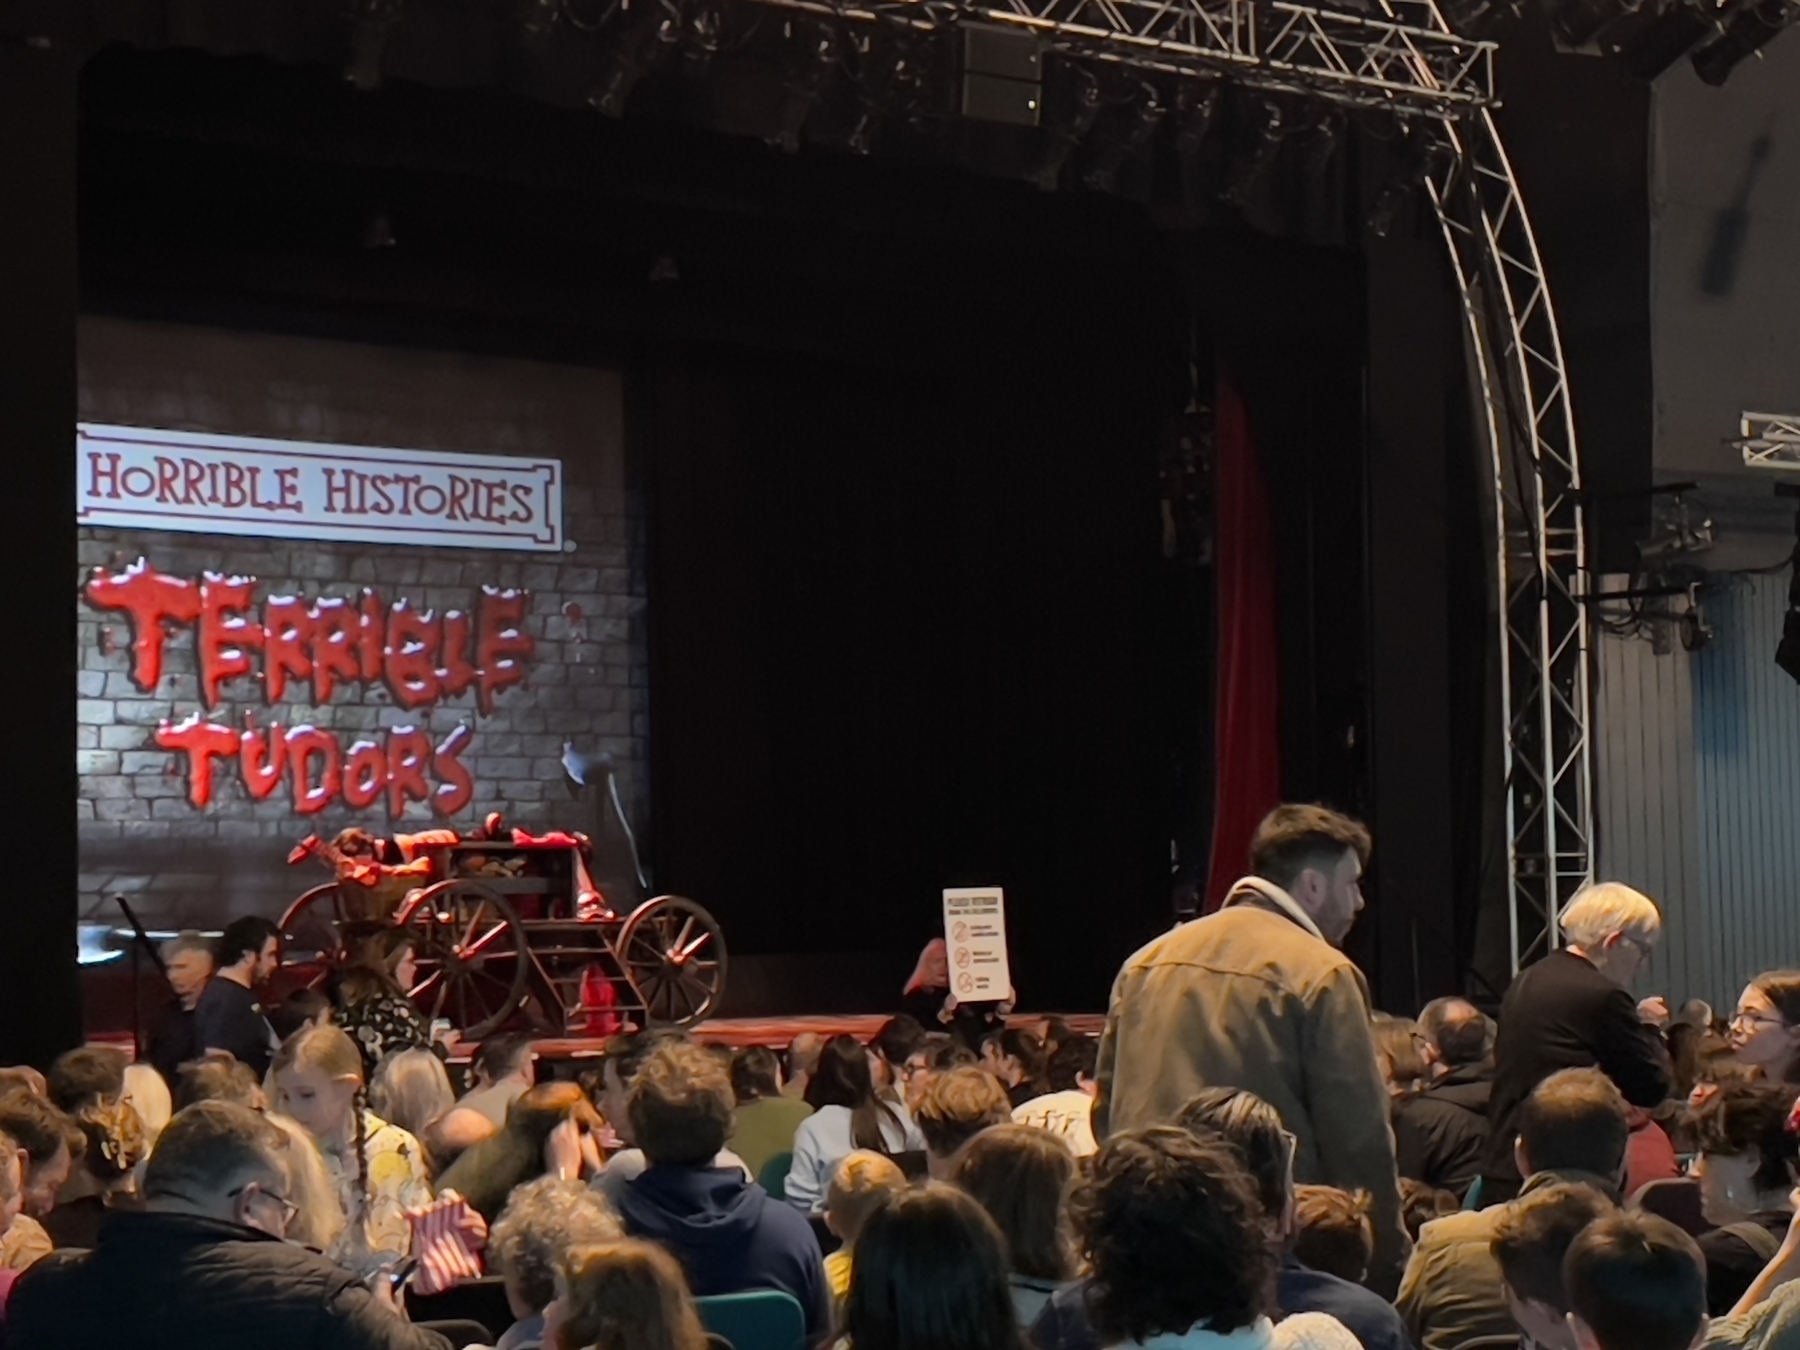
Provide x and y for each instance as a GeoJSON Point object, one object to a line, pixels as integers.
{"type": "Point", "coordinates": [1147, 112]}
{"type": "Point", "coordinates": [1268, 124]}
{"type": "Point", "coordinates": [705, 35]}
{"type": "Point", "coordinates": [1746, 33]}
{"type": "Point", "coordinates": [649, 36]}
{"type": "Point", "coordinates": [890, 73]}
{"type": "Point", "coordinates": [1073, 108]}
{"type": "Point", "coordinates": [1578, 22]}
{"type": "Point", "coordinates": [1196, 110]}
{"type": "Point", "coordinates": [1787, 654]}
{"type": "Point", "coordinates": [802, 89]}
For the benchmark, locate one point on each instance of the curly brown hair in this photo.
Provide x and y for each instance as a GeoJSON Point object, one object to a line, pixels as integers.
{"type": "Point", "coordinates": [1750, 1119]}
{"type": "Point", "coordinates": [1173, 1230]}
{"type": "Point", "coordinates": [681, 1105]}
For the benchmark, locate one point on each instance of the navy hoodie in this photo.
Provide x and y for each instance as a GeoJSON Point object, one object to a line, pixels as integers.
{"type": "Point", "coordinates": [729, 1236]}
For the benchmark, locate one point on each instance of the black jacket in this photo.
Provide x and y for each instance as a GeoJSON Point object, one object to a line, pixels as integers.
{"type": "Point", "coordinates": [1439, 1135]}
{"type": "Point", "coordinates": [1563, 1014]}
{"type": "Point", "coordinates": [176, 1282]}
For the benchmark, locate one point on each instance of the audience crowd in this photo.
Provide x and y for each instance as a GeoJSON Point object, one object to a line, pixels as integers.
{"type": "Point", "coordinates": [1250, 1157]}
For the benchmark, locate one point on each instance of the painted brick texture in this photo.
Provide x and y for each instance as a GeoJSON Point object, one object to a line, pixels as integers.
{"type": "Point", "coordinates": [586, 680]}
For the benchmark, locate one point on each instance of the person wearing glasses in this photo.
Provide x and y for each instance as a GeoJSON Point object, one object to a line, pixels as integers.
{"type": "Point", "coordinates": [206, 1261]}
{"type": "Point", "coordinates": [1765, 1029]}
{"type": "Point", "coordinates": [1572, 1011]}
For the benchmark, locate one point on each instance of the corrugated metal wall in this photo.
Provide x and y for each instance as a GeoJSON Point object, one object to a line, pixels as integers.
{"type": "Point", "coordinates": [1697, 762]}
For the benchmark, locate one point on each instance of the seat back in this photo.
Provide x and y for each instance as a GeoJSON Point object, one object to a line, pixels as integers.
{"type": "Point", "coordinates": [1676, 1199]}
{"type": "Point", "coordinates": [773, 1177]}
{"type": "Point", "coordinates": [756, 1319]}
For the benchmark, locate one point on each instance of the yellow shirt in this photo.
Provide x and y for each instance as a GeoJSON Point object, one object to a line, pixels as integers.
{"type": "Point", "coordinates": [837, 1276]}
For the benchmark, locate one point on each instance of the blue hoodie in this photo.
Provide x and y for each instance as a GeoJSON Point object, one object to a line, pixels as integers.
{"type": "Point", "coordinates": [729, 1236]}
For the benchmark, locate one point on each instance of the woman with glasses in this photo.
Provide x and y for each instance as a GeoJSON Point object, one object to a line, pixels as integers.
{"type": "Point", "coordinates": [1765, 1029]}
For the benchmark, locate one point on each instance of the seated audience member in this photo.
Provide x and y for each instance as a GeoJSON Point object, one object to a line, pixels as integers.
{"type": "Point", "coordinates": [105, 1176]}
{"type": "Point", "coordinates": [19, 1247]}
{"type": "Point", "coordinates": [1649, 1153]}
{"type": "Point", "coordinates": [1067, 1109]}
{"type": "Point", "coordinates": [188, 962]}
{"type": "Point", "coordinates": [299, 1010]}
{"type": "Point", "coordinates": [373, 1003]}
{"type": "Point", "coordinates": [727, 1232]}
{"type": "Point", "coordinates": [1179, 1250]}
{"type": "Point", "coordinates": [504, 1068]}
{"type": "Point", "coordinates": [1056, 1033]}
{"type": "Point", "coordinates": [1021, 1177]}
{"type": "Point", "coordinates": [861, 1184]}
{"type": "Point", "coordinates": [1440, 1131]}
{"type": "Point", "coordinates": [227, 1016]}
{"type": "Point", "coordinates": [847, 1115]}
{"type": "Point", "coordinates": [1252, 1127]}
{"type": "Point", "coordinates": [1530, 1244]}
{"type": "Point", "coordinates": [1420, 1204]}
{"type": "Point", "coordinates": [318, 1221]}
{"type": "Point", "coordinates": [1765, 1028]}
{"type": "Point", "coordinates": [50, 1141]}
{"type": "Point", "coordinates": [87, 1074]}
{"type": "Point", "coordinates": [763, 1126]}
{"type": "Point", "coordinates": [1017, 1059]}
{"type": "Point", "coordinates": [204, 1264]}
{"type": "Point", "coordinates": [1573, 1127]}
{"type": "Point", "coordinates": [899, 1038]}
{"type": "Point", "coordinates": [622, 1295]}
{"type": "Point", "coordinates": [930, 1275]}
{"type": "Point", "coordinates": [939, 1053]}
{"type": "Point", "coordinates": [625, 1055]}
{"type": "Point", "coordinates": [1332, 1231]}
{"type": "Point", "coordinates": [1397, 1054]}
{"type": "Point", "coordinates": [927, 998]}
{"type": "Point", "coordinates": [412, 1090]}
{"type": "Point", "coordinates": [1746, 1170]}
{"type": "Point", "coordinates": [1635, 1282]}
{"type": "Point", "coordinates": [543, 1222]}
{"type": "Point", "coordinates": [798, 1063]}
{"type": "Point", "coordinates": [955, 1107]}
{"type": "Point", "coordinates": [549, 1131]}
{"type": "Point", "coordinates": [218, 1080]}
{"type": "Point", "coordinates": [23, 1078]}
{"type": "Point", "coordinates": [147, 1093]}
{"type": "Point", "coordinates": [379, 1168]}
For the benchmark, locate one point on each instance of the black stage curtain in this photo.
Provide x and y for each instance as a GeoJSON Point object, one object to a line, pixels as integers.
{"type": "Point", "coordinates": [902, 637]}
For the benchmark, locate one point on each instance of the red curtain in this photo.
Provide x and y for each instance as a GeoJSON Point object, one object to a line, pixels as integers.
{"type": "Point", "coordinates": [1247, 763]}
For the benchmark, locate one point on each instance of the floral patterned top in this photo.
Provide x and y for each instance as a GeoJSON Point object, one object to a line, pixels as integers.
{"type": "Point", "coordinates": [397, 1182]}
{"type": "Point", "coordinates": [384, 1025]}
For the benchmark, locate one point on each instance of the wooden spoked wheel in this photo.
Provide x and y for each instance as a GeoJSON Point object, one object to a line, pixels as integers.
{"type": "Point", "coordinates": [673, 952]}
{"type": "Point", "coordinates": [470, 948]}
{"type": "Point", "coordinates": [313, 937]}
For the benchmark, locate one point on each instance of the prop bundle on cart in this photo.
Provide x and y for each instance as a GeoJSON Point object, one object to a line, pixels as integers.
{"type": "Point", "coordinates": [507, 927]}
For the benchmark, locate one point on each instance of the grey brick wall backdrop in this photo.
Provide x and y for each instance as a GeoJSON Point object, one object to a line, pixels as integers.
{"type": "Point", "coordinates": [586, 680]}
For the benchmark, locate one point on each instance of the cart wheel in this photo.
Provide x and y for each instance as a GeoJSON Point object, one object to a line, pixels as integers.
{"type": "Point", "coordinates": [471, 952]}
{"type": "Point", "coordinates": [673, 952]}
{"type": "Point", "coordinates": [313, 938]}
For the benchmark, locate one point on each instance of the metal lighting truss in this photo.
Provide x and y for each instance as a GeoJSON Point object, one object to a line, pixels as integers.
{"type": "Point", "coordinates": [1539, 537]}
{"type": "Point", "coordinates": [1360, 60]}
{"type": "Point", "coordinates": [1769, 441]}
{"type": "Point", "coordinates": [1407, 60]}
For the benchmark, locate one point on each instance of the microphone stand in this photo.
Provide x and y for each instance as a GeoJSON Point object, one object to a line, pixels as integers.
{"type": "Point", "coordinates": [140, 941]}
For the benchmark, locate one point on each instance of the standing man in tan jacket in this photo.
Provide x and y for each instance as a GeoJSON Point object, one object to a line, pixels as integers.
{"type": "Point", "coordinates": [1258, 997]}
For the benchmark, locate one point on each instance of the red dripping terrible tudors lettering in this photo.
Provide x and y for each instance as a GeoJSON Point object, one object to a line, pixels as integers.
{"type": "Point", "coordinates": [422, 658]}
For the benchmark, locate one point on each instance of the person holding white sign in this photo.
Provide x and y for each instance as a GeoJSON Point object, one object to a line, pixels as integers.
{"type": "Point", "coordinates": [1258, 997]}
{"type": "Point", "coordinates": [929, 997]}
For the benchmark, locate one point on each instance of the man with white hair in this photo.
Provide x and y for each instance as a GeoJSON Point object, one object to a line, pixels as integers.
{"type": "Point", "coordinates": [1571, 1011]}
